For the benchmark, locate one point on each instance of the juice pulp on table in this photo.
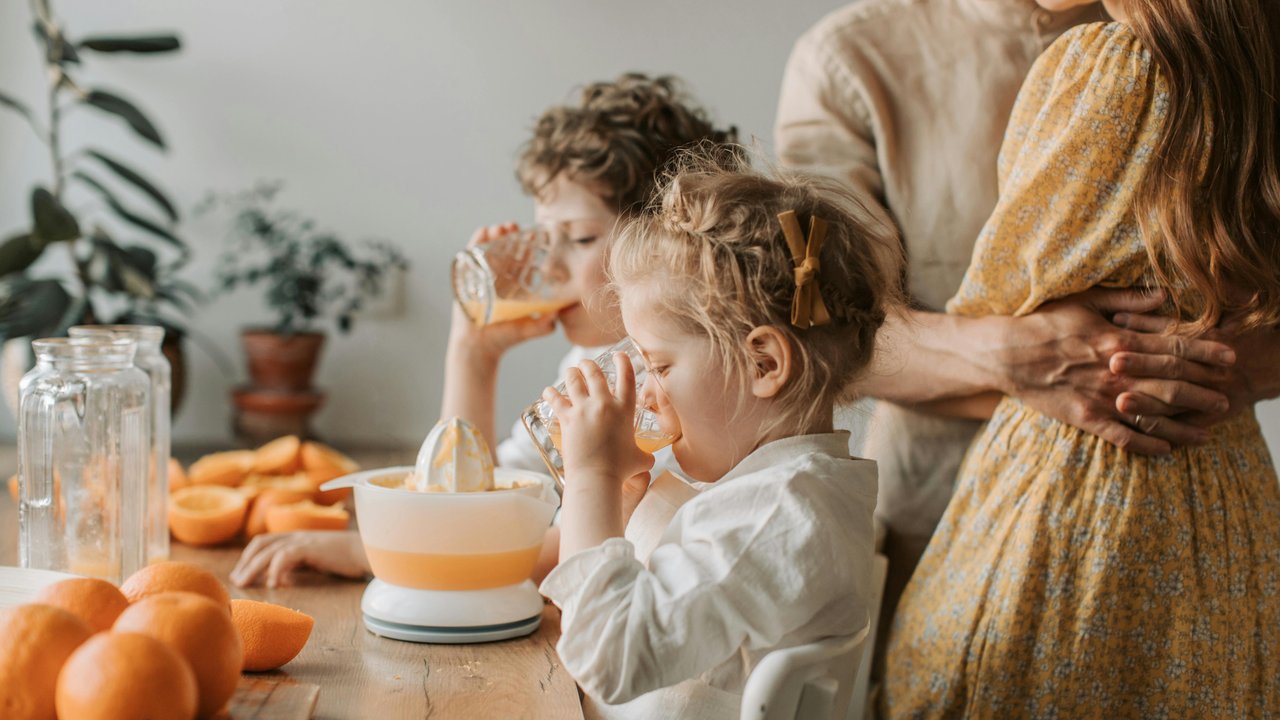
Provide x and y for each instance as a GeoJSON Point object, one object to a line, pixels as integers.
{"type": "Point", "coordinates": [456, 571]}
{"type": "Point", "coordinates": [505, 310]}
{"type": "Point", "coordinates": [650, 441]}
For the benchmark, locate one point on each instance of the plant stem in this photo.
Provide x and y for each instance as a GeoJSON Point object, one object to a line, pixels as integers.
{"type": "Point", "coordinates": [44, 16]}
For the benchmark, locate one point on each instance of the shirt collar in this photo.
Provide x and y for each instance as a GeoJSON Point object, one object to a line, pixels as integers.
{"type": "Point", "coordinates": [835, 444]}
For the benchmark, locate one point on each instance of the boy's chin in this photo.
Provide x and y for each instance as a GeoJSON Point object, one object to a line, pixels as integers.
{"type": "Point", "coordinates": [583, 330]}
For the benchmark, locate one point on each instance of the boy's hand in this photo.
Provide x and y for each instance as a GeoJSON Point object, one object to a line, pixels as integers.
{"type": "Point", "coordinates": [491, 341]}
{"type": "Point", "coordinates": [273, 556]}
{"type": "Point", "coordinates": [597, 423]}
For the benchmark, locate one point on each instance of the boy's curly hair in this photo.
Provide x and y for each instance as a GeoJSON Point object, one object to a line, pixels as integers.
{"type": "Point", "coordinates": [713, 245]}
{"type": "Point", "coordinates": [618, 138]}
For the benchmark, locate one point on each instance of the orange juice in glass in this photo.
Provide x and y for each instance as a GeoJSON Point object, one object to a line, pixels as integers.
{"type": "Point", "coordinates": [543, 426]}
{"type": "Point", "coordinates": [521, 274]}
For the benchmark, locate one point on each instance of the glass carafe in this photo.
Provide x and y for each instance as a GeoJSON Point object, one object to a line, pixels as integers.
{"type": "Point", "coordinates": [149, 359]}
{"type": "Point", "coordinates": [518, 275]}
{"type": "Point", "coordinates": [83, 443]}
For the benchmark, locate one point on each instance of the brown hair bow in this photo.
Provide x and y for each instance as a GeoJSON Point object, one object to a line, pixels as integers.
{"type": "Point", "coordinates": [807, 308]}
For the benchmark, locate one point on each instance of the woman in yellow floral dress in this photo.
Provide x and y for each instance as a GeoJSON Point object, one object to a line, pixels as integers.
{"type": "Point", "coordinates": [1069, 578]}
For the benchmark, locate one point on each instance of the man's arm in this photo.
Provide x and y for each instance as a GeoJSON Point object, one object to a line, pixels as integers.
{"type": "Point", "coordinates": [1056, 360]}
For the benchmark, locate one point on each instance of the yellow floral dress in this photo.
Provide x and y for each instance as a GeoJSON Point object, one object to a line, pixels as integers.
{"type": "Point", "coordinates": [1070, 579]}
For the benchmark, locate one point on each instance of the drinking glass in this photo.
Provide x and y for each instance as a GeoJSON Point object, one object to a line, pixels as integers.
{"type": "Point", "coordinates": [541, 422]}
{"type": "Point", "coordinates": [149, 359]}
{"type": "Point", "coordinates": [83, 444]}
{"type": "Point", "coordinates": [518, 275]}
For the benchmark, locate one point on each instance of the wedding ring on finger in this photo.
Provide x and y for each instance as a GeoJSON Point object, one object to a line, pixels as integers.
{"type": "Point", "coordinates": [1137, 421]}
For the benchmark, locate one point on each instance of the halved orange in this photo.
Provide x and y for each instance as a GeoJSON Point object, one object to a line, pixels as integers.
{"type": "Point", "coordinates": [221, 468]}
{"type": "Point", "coordinates": [177, 476]}
{"type": "Point", "coordinates": [278, 457]}
{"type": "Point", "coordinates": [322, 464]}
{"type": "Point", "coordinates": [306, 515]}
{"type": "Point", "coordinates": [271, 497]}
{"type": "Point", "coordinates": [206, 514]}
{"type": "Point", "coordinates": [272, 634]}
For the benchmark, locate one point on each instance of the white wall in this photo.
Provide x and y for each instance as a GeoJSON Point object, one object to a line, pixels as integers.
{"type": "Point", "coordinates": [396, 118]}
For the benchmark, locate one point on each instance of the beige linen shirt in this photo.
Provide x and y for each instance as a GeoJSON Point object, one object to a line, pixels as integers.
{"type": "Point", "coordinates": [907, 101]}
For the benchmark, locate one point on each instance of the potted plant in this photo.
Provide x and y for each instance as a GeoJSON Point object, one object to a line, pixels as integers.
{"type": "Point", "coordinates": [115, 226]}
{"type": "Point", "coordinates": [308, 277]}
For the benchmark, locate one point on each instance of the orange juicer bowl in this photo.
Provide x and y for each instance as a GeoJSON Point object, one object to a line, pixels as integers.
{"type": "Point", "coordinates": [451, 567]}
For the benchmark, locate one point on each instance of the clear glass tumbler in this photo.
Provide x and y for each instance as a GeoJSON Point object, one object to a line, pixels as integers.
{"type": "Point", "coordinates": [149, 359]}
{"type": "Point", "coordinates": [542, 425]}
{"type": "Point", "coordinates": [83, 443]}
{"type": "Point", "coordinates": [518, 275]}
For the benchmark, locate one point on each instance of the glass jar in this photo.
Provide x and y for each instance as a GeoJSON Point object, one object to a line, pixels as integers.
{"type": "Point", "coordinates": [83, 443]}
{"type": "Point", "coordinates": [149, 359]}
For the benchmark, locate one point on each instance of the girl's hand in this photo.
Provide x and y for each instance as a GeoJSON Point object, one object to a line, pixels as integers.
{"type": "Point", "coordinates": [273, 556]}
{"type": "Point", "coordinates": [491, 341]}
{"type": "Point", "coordinates": [597, 424]}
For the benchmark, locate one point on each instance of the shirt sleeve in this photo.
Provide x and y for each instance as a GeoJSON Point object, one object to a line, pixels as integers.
{"type": "Point", "coordinates": [823, 125]}
{"type": "Point", "coordinates": [738, 577]}
{"type": "Point", "coordinates": [1077, 147]}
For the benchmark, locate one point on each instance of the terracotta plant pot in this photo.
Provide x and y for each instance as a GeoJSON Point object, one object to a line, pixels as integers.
{"type": "Point", "coordinates": [281, 362]}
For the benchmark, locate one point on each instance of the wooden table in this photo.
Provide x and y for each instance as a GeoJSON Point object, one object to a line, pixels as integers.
{"type": "Point", "coordinates": [364, 676]}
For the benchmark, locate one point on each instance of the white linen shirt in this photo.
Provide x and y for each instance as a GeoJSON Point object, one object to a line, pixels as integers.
{"type": "Point", "coordinates": [777, 553]}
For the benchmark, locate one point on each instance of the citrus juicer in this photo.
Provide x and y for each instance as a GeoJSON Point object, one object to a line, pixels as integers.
{"type": "Point", "coordinates": [451, 565]}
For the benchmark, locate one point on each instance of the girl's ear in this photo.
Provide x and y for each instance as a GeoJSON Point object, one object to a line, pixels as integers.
{"type": "Point", "coordinates": [770, 351]}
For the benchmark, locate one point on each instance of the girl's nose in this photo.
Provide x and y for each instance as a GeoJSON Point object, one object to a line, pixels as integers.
{"type": "Point", "coordinates": [648, 396]}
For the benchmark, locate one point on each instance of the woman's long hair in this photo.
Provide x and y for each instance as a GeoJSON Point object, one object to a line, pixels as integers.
{"type": "Point", "coordinates": [1210, 206]}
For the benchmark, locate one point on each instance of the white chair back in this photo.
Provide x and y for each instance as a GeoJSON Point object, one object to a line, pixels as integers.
{"type": "Point", "coordinates": [859, 703]}
{"type": "Point", "coordinates": [806, 682]}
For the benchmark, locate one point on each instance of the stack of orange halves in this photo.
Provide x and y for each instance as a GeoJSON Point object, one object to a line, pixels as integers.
{"type": "Point", "coordinates": [168, 644]}
{"type": "Point", "coordinates": [272, 489]}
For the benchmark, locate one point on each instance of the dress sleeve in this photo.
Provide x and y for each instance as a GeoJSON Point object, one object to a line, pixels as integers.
{"type": "Point", "coordinates": [1077, 146]}
{"type": "Point", "coordinates": [738, 577]}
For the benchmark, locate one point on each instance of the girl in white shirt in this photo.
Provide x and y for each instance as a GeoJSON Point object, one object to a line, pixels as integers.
{"type": "Point", "coordinates": [750, 330]}
{"type": "Point", "coordinates": [586, 166]}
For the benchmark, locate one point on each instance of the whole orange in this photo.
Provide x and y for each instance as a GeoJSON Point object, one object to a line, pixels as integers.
{"type": "Point", "coordinates": [35, 640]}
{"type": "Point", "coordinates": [126, 675]}
{"type": "Point", "coordinates": [201, 631]}
{"type": "Point", "coordinates": [174, 576]}
{"type": "Point", "coordinates": [97, 602]}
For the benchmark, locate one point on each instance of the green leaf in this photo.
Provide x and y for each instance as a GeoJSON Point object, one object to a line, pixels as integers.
{"type": "Point", "coordinates": [127, 214]}
{"type": "Point", "coordinates": [15, 104]}
{"type": "Point", "coordinates": [52, 221]}
{"type": "Point", "coordinates": [117, 105]}
{"type": "Point", "coordinates": [136, 44]}
{"type": "Point", "coordinates": [31, 307]}
{"type": "Point", "coordinates": [142, 259]}
{"type": "Point", "coordinates": [18, 252]}
{"type": "Point", "coordinates": [139, 182]}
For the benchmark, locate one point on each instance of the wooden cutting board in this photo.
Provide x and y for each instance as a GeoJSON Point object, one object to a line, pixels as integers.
{"type": "Point", "coordinates": [267, 698]}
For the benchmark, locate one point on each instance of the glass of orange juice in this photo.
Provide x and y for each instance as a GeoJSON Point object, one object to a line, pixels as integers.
{"type": "Point", "coordinates": [518, 275]}
{"type": "Point", "coordinates": [543, 426]}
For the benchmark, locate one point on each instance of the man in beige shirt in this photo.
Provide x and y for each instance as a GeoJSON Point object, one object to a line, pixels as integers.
{"type": "Point", "coordinates": [907, 100]}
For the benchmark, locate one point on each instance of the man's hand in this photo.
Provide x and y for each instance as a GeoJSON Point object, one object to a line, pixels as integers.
{"type": "Point", "coordinates": [1253, 378]}
{"type": "Point", "coordinates": [1058, 360]}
